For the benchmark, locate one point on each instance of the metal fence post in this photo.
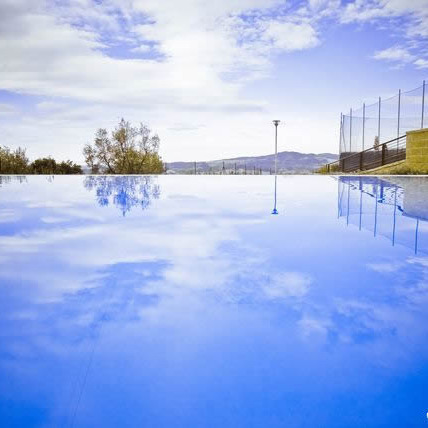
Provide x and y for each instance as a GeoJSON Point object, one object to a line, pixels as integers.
{"type": "Point", "coordinates": [361, 160]}
{"type": "Point", "coordinates": [378, 121]}
{"type": "Point", "coordinates": [423, 104]}
{"type": "Point", "coordinates": [195, 168]}
{"type": "Point", "coordinates": [350, 131]}
{"type": "Point", "coordinates": [399, 111]}
{"type": "Point", "coordinates": [343, 132]}
{"type": "Point", "coordinates": [364, 122]}
{"type": "Point", "coordinates": [383, 153]}
{"type": "Point", "coordinates": [398, 119]}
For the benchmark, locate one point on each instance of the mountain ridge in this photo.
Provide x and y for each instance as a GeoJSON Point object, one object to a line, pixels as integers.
{"type": "Point", "coordinates": [288, 162]}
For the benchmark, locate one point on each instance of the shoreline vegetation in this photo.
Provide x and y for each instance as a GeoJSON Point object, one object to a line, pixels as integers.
{"type": "Point", "coordinates": [17, 162]}
{"type": "Point", "coordinates": [126, 150]}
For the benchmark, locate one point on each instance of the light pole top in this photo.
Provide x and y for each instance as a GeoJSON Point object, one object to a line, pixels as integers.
{"type": "Point", "coordinates": [276, 122]}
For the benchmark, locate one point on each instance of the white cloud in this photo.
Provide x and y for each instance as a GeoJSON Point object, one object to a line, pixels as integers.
{"type": "Point", "coordinates": [421, 63]}
{"type": "Point", "coordinates": [289, 36]}
{"type": "Point", "coordinates": [183, 64]}
{"type": "Point", "coordinates": [141, 49]}
{"type": "Point", "coordinates": [7, 109]}
{"type": "Point", "coordinates": [394, 53]}
{"type": "Point", "coordinates": [400, 17]}
{"type": "Point", "coordinates": [45, 52]}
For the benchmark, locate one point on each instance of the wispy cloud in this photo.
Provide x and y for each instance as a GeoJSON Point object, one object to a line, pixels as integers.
{"type": "Point", "coordinates": [7, 109]}
{"type": "Point", "coordinates": [408, 19]}
{"type": "Point", "coordinates": [199, 49]}
{"type": "Point", "coordinates": [86, 63]}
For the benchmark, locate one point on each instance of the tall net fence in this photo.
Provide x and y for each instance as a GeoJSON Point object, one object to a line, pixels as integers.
{"type": "Point", "coordinates": [385, 120]}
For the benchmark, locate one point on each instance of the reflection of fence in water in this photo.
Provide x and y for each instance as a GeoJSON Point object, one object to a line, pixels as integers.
{"type": "Point", "coordinates": [379, 206]}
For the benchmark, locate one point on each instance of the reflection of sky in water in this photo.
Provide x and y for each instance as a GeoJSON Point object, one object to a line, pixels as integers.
{"type": "Point", "coordinates": [182, 302]}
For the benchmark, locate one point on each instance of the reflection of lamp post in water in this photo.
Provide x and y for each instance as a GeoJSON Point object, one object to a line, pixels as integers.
{"type": "Point", "coordinates": [275, 211]}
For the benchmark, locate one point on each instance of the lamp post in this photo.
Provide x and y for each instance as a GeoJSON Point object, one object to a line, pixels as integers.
{"type": "Point", "coordinates": [276, 123]}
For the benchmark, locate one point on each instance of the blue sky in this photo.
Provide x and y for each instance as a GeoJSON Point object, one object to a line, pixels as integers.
{"type": "Point", "coordinates": [208, 77]}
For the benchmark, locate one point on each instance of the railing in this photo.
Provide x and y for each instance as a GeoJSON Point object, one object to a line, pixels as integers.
{"type": "Point", "coordinates": [382, 154]}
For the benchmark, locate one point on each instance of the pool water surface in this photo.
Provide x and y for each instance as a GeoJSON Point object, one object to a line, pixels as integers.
{"type": "Point", "coordinates": [213, 301]}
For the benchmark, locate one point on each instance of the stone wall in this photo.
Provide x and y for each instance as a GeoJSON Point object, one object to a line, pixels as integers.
{"type": "Point", "coordinates": [417, 149]}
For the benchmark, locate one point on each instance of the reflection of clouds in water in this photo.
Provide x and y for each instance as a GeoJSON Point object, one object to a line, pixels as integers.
{"type": "Point", "coordinates": [126, 192]}
{"type": "Point", "coordinates": [192, 256]}
{"type": "Point", "coordinates": [67, 325]}
{"type": "Point", "coordinates": [311, 326]}
{"type": "Point", "coordinates": [416, 290]}
{"type": "Point", "coordinates": [53, 220]}
{"type": "Point", "coordinates": [287, 284]}
{"type": "Point", "coordinates": [8, 216]}
{"type": "Point", "coordinates": [198, 264]}
{"type": "Point", "coordinates": [362, 320]}
{"type": "Point", "coordinates": [384, 267]}
{"type": "Point", "coordinates": [65, 253]}
{"type": "Point", "coordinates": [388, 321]}
{"type": "Point", "coordinates": [423, 261]}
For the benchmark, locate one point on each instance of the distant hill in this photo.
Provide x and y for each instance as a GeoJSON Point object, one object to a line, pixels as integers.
{"type": "Point", "coordinates": [288, 162]}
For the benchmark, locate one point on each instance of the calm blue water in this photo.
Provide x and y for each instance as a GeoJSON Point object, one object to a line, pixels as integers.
{"type": "Point", "coordinates": [183, 302]}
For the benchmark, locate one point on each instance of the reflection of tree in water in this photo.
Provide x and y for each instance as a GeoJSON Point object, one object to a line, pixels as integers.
{"type": "Point", "coordinates": [125, 192]}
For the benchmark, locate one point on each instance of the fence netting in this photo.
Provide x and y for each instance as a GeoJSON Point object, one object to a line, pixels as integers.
{"type": "Point", "coordinates": [374, 124]}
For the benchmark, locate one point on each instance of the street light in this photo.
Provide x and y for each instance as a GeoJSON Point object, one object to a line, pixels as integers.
{"type": "Point", "coordinates": [276, 123]}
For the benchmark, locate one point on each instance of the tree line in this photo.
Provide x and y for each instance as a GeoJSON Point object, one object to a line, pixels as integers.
{"type": "Point", "coordinates": [17, 162]}
{"type": "Point", "coordinates": [126, 150]}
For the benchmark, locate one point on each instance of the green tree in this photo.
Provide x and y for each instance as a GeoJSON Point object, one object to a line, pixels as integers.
{"type": "Point", "coordinates": [129, 150]}
{"type": "Point", "coordinates": [16, 162]}
{"type": "Point", "coordinates": [50, 166]}
{"type": "Point", "coordinates": [13, 161]}
{"type": "Point", "coordinates": [43, 166]}
{"type": "Point", "coordinates": [68, 167]}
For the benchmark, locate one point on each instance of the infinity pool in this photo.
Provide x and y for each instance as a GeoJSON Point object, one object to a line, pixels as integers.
{"type": "Point", "coordinates": [181, 301]}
